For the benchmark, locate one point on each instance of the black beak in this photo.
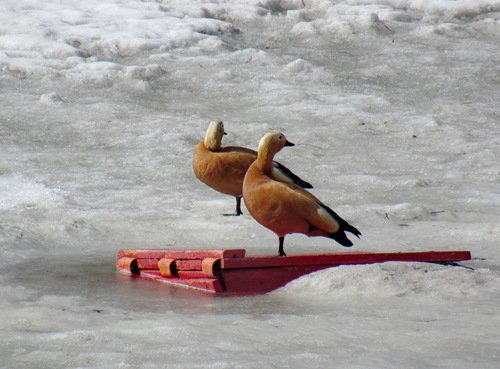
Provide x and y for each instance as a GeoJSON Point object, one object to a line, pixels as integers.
{"type": "Point", "coordinates": [225, 134]}
{"type": "Point", "coordinates": [288, 143]}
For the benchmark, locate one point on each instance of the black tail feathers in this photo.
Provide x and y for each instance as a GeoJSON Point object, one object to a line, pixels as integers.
{"type": "Point", "coordinates": [341, 238]}
{"type": "Point", "coordinates": [349, 228]}
{"type": "Point", "coordinates": [340, 235]}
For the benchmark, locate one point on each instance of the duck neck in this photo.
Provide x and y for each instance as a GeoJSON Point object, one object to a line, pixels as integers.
{"type": "Point", "coordinates": [212, 143]}
{"type": "Point", "coordinates": [265, 160]}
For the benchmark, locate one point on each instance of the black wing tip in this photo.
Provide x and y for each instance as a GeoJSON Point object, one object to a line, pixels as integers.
{"type": "Point", "coordinates": [293, 177]}
{"type": "Point", "coordinates": [305, 184]}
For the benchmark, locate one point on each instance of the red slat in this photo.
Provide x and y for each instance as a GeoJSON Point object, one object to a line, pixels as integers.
{"type": "Point", "coordinates": [147, 264]}
{"type": "Point", "coordinates": [343, 258]}
{"type": "Point", "coordinates": [206, 284]}
{"type": "Point", "coordinates": [211, 285]}
{"type": "Point", "coordinates": [191, 274]}
{"type": "Point", "coordinates": [194, 264]}
{"type": "Point", "coordinates": [180, 264]}
{"type": "Point", "coordinates": [182, 254]}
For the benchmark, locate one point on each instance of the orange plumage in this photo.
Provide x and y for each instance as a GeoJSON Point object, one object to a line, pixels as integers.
{"type": "Point", "coordinates": [224, 168]}
{"type": "Point", "coordinates": [285, 208]}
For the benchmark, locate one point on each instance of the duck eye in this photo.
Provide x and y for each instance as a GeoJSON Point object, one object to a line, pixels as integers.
{"type": "Point", "coordinates": [281, 137]}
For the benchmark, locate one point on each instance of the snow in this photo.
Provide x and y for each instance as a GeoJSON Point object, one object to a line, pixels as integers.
{"type": "Point", "coordinates": [393, 107]}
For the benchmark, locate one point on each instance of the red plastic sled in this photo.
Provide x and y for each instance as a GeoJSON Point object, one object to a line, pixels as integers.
{"type": "Point", "coordinates": [229, 272]}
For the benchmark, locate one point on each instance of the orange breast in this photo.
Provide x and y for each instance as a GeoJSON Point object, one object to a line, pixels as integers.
{"type": "Point", "coordinates": [268, 202]}
{"type": "Point", "coordinates": [284, 208]}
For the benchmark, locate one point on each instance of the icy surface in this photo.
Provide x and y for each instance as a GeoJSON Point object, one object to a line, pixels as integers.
{"type": "Point", "coordinates": [394, 108]}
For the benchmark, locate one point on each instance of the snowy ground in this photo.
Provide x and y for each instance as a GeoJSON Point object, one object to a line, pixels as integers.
{"type": "Point", "coordinates": [394, 108]}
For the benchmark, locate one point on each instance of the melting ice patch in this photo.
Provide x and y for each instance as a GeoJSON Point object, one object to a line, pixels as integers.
{"type": "Point", "coordinates": [347, 18]}
{"type": "Point", "coordinates": [52, 38]}
{"type": "Point", "coordinates": [92, 39]}
{"type": "Point", "coordinates": [17, 191]}
{"type": "Point", "coordinates": [395, 279]}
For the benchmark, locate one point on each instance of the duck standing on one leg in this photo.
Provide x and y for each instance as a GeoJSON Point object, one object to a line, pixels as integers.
{"type": "Point", "coordinates": [224, 168]}
{"type": "Point", "coordinates": [284, 207]}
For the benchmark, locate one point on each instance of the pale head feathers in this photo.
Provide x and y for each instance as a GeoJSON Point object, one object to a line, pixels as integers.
{"type": "Point", "coordinates": [213, 136]}
{"type": "Point", "coordinates": [271, 143]}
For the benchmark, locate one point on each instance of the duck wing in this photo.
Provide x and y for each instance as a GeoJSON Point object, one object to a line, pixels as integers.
{"type": "Point", "coordinates": [339, 236]}
{"type": "Point", "coordinates": [283, 174]}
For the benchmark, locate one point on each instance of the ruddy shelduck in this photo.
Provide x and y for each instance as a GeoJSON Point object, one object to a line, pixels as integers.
{"type": "Point", "coordinates": [285, 208]}
{"type": "Point", "coordinates": [224, 168]}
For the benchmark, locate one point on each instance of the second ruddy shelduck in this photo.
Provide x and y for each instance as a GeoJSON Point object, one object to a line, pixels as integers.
{"type": "Point", "coordinates": [285, 208]}
{"type": "Point", "coordinates": [224, 168]}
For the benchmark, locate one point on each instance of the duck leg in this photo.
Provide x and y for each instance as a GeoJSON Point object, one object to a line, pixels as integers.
{"type": "Point", "coordinates": [238, 208]}
{"type": "Point", "coordinates": [281, 252]}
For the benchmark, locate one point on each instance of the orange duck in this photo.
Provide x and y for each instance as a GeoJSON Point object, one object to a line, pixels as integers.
{"type": "Point", "coordinates": [286, 208]}
{"type": "Point", "coordinates": [224, 168]}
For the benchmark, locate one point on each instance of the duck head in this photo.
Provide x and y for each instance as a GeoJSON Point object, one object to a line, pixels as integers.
{"type": "Point", "coordinates": [270, 145]}
{"type": "Point", "coordinates": [213, 136]}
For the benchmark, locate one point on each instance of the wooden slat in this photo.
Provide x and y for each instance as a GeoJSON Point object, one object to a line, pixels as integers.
{"type": "Point", "coordinates": [191, 274]}
{"type": "Point", "coordinates": [180, 264]}
{"type": "Point", "coordinates": [211, 285]}
{"type": "Point", "coordinates": [182, 254]}
{"type": "Point", "coordinates": [208, 284]}
{"type": "Point", "coordinates": [191, 264]}
{"type": "Point", "coordinates": [343, 259]}
{"type": "Point", "coordinates": [147, 264]}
